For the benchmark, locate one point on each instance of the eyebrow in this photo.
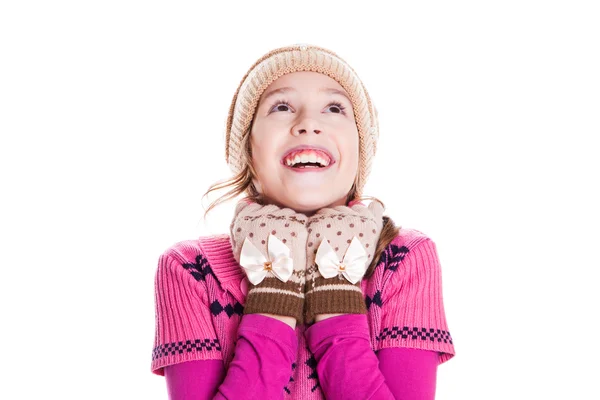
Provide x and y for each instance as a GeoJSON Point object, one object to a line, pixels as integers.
{"type": "Point", "coordinates": [282, 90]}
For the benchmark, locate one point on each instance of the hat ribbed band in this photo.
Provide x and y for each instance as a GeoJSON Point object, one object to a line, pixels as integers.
{"type": "Point", "coordinates": [298, 58]}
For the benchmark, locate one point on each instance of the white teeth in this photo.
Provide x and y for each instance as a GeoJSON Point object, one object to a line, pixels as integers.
{"type": "Point", "coordinates": [306, 158]}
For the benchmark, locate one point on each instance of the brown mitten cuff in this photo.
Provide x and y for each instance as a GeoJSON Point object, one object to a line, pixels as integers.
{"type": "Point", "coordinates": [339, 226]}
{"type": "Point", "coordinates": [259, 234]}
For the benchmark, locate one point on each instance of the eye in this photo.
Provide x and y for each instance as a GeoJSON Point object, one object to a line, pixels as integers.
{"type": "Point", "coordinates": [339, 106]}
{"type": "Point", "coordinates": [280, 105]}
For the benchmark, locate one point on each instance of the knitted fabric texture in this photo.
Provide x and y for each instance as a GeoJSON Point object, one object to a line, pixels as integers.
{"type": "Point", "coordinates": [201, 294]}
{"type": "Point", "coordinates": [285, 60]}
{"type": "Point", "coordinates": [255, 223]}
{"type": "Point", "coordinates": [339, 225]}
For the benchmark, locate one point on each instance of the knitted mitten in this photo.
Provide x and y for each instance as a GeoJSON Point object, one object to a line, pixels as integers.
{"type": "Point", "coordinates": [341, 242]}
{"type": "Point", "coordinates": [269, 243]}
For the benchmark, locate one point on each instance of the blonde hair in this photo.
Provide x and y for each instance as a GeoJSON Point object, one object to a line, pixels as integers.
{"type": "Point", "coordinates": [242, 183]}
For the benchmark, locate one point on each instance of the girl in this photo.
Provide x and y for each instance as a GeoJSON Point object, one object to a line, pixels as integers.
{"type": "Point", "coordinates": [312, 294]}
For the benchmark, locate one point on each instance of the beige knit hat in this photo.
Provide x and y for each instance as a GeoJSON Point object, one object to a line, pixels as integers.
{"type": "Point", "coordinates": [285, 60]}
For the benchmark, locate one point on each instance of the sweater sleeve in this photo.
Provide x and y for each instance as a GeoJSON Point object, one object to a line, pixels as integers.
{"type": "Point", "coordinates": [183, 326]}
{"type": "Point", "coordinates": [261, 367]}
{"type": "Point", "coordinates": [410, 374]}
{"type": "Point", "coordinates": [413, 313]}
{"type": "Point", "coordinates": [194, 380]}
{"type": "Point", "coordinates": [349, 369]}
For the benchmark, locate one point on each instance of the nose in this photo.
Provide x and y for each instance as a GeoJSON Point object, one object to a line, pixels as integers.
{"type": "Point", "coordinates": [305, 126]}
{"type": "Point", "coordinates": [301, 131]}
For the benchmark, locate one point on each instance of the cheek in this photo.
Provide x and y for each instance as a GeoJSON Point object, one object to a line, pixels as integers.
{"type": "Point", "coordinates": [264, 154]}
{"type": "Point", "coordinates": [350, 149]}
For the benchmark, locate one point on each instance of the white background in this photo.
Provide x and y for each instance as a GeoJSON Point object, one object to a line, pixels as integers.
{"type": "Point", "coordinates": [112, 119]}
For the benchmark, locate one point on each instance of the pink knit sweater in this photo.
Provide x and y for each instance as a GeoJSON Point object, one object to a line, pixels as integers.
{"type": "Point", "coordinates": [200, 294]}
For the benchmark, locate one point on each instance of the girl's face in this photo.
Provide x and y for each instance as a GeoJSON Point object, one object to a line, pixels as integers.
{"type": "Point", "coordinates": [304, 142]}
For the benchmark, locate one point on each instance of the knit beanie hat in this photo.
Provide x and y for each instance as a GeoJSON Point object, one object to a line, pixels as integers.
{"type": "Point", "coordinates": [285, 60]}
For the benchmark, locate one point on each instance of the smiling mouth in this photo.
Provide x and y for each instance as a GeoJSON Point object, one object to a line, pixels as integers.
{"type": "Point", "coordinates": [307, 159]}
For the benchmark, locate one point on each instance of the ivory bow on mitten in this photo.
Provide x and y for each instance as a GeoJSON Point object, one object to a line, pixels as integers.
{"type": "Point", "coordinates": [269, 243]}
{"type": "Point", "coordinates": [341, 244]}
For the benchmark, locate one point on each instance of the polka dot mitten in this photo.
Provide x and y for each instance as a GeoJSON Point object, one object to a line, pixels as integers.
{"type": "Point", "coordinates": [340, 246]}
{"type": "Point", "coordinates": [269, 243]}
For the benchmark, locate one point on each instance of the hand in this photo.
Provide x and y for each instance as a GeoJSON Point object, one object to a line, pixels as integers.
{"type": "Point", "coordinates": [321, 317]}
{"type": "Point", "coordinates": [269, 243]}
{"type": "Point", "coordinates": [340, 246]}
{"type": "Point", "coordinates": [290, 321]}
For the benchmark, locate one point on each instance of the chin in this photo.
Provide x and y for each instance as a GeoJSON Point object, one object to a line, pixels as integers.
{"type": "Point", "coordinates": [307, 204]}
